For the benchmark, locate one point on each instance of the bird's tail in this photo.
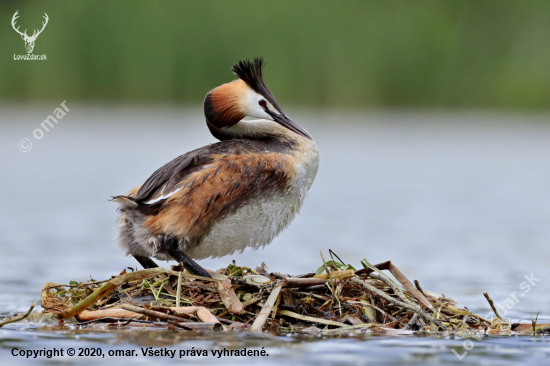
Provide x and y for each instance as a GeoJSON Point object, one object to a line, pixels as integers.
{"type": "Point", "coordinates": [125, 202]}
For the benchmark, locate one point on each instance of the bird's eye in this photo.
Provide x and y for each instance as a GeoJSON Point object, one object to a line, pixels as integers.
{"type": "Point", "coordinates": [262, 102]}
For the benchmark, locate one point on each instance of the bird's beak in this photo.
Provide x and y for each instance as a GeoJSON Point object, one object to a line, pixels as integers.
{"type": "Point", "coordinates": [284, 121]}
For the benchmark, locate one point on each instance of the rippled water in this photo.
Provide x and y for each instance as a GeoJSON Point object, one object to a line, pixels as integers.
{"type": "Point", "coordinates": [459, 201]}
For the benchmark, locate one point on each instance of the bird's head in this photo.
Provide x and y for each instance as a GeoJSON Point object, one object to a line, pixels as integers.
{"type": "Point", "coordinates": [226, 106]}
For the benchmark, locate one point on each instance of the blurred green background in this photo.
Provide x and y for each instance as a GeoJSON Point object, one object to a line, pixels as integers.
{"type": "Point", "coordinates": [375, 54]}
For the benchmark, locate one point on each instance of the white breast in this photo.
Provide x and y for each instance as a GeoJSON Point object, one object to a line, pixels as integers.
{"type": "Point", "coordinates": [257, 223]}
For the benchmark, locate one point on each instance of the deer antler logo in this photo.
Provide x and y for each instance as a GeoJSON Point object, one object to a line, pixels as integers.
{"type": "Point", "coordinates": [29, 41]}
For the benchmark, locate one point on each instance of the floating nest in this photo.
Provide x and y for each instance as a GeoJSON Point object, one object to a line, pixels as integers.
{"type": "Point", "coordinates": [336, 299]}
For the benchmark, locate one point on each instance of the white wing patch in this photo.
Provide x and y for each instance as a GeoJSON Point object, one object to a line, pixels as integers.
{"type": "Point", "coordinates": [163, 197]}
{"type": "Point", "coordinates": [170, 194]}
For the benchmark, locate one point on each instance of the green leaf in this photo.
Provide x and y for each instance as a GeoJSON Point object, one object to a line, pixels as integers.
{"type": "Point", "coordinates": [534, 323]}
{"type": "Point", "coordinates": [368, 311]}
{"type": "Point", "coordinates": [320, 270]}
{"type": "Point", "coordinates": [338, 265]}
{"type": "Point", "coordinates": [347, 266]}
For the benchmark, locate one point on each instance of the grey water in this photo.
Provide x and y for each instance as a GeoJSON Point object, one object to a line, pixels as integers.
{"type": "Point", "coordinates": [457, 200]}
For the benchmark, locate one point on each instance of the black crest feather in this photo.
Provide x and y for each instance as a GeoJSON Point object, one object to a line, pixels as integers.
{"type": "Point", "coordinates": [251, 73]}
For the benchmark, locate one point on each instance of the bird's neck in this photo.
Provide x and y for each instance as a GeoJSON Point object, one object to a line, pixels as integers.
{"type": "Point", "coordinates": [254, 130]}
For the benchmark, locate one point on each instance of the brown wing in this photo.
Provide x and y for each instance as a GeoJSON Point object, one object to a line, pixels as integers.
{"type": "Point", "coordinates": [193, 175]}
{"type": "Point", "coordinates": [164, 180]}
{"type": "Point", "coordinates": [169, 177]}
{"type": "Point", "coordinates": [223, 185]}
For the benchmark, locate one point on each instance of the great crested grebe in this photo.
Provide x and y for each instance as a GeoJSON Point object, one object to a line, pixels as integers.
{"type": "Point", "coordinates": [237, 193]}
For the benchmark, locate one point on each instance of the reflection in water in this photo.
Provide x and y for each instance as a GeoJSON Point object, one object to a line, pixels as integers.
{"type": "Point", "coordinates": [359, 350]}
{"type": "Point", "coordinates": [200, 340]}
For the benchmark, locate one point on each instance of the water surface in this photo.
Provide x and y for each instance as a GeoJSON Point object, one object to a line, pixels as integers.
{"type": "Point", "coordinates": [459, 201]}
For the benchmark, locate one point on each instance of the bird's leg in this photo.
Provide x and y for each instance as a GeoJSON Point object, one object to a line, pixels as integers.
{"type": "Point", "coordinates": [172, 248]}
{"type": "Point", "coordinates": [145, 262]}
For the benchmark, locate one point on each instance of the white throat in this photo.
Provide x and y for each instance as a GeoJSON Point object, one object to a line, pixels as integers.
{"type": "Point", "coordinates": [257, 128]}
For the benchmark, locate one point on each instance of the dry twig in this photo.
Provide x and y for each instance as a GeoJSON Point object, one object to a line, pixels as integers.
{"type": "Point", "coordinates": [19, 317]}
{"type": "Point", "coordinates": [266, 309]}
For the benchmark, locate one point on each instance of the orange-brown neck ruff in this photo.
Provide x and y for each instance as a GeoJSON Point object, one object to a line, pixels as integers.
{"type": "Point", "coordinates": [223, 107]}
